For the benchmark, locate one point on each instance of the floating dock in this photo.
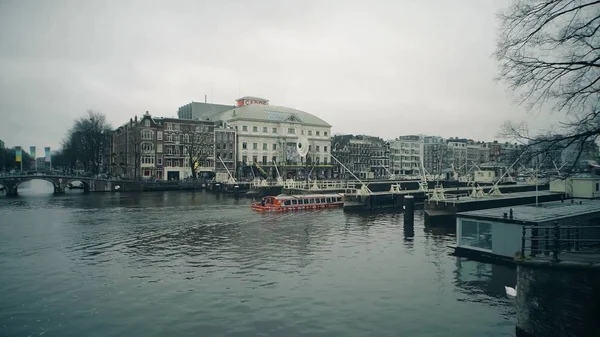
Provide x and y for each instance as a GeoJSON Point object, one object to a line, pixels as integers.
{"type": "Point", "coordinates": [272, 187]}
{"type": "Point", "coordinates": [450, 206]}
{"type": "Point", "coordinates": [365, 200]}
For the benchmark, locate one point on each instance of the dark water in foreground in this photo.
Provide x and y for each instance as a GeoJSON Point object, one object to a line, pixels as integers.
{"type": "Point", "coordinates": [192, 264]}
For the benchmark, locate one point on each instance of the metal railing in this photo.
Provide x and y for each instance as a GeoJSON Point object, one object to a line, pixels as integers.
{"type": "Point", "coordinates": [556, 239]}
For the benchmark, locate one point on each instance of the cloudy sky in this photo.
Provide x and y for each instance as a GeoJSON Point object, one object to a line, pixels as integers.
{"type": "Point", "coordinates": [384, 68]}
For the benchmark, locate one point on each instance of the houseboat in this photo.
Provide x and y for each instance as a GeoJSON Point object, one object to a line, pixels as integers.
{"type": "Point", "coordinates": [282, 203]}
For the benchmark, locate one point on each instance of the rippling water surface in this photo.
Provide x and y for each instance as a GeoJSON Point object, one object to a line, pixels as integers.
{"type": "Point", "coordinates": [193, 264]}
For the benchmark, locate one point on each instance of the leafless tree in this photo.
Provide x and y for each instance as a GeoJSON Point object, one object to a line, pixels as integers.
{"type": "Point", "coordinates": [439, 158]}
{"type": "Point", "coordinates": [549, 54]}
{"type": "Point", "coordinates": [86, 141]}
{"type": "Point", "coordinates": [198, 142]}
{"type": "Point", "coordinates": [134, 148]}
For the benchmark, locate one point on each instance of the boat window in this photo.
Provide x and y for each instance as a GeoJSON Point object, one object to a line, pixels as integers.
{"type": "Point", "coordinates": [329, 200]}
{"type": "Point", "coordinates": [304, 201]}
{"type": "Point", "coordinates": [322, 200]}
{"type": "Point", "coordinates": [294, 202]}
{"type": "Point", "coordinates": [339, 199]}
{"type": "Point", "coordinates": [287, 202]}
{"type": "Point", "coordinates": [312, 201]}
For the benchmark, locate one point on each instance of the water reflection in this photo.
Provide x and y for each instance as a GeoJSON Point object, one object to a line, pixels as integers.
{"type": "Point", "coordinates": [191, 263]}
{"type": "Point", "coordinates": [482, 282]}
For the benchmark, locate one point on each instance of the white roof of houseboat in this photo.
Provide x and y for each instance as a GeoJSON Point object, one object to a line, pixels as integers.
{"type": "Point", "coordinates": [307, 196]}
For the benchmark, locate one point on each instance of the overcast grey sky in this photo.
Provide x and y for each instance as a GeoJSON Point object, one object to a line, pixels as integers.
{"type": "Point", "coordinates": [385, 68]}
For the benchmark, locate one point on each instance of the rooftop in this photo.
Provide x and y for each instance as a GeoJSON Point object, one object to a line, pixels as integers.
{"type": "Point", "coordinates": [252, 98]}
{"type": "Point", "coordinates": [270, 113]}
{"type": "Point", "coordinates": [544, 212]}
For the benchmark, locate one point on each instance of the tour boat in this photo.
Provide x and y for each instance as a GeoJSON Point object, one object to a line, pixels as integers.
{"type": "Point", "coordinates": [282, 203]}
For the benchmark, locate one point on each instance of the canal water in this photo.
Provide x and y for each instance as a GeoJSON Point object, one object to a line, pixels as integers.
{"type": "Point", "coordinates": [194, 264]}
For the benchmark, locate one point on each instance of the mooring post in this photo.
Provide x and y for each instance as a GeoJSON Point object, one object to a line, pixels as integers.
{"type": "Point", "coordinates": [236, 191]}
{"type": "Point", "coordinates": [547, 241]}
{"type": "Point", "coordinates": [556, 242]}
{"type": "Point", "coordinates": [577, 236]}
{"type": "Point", "coordinates": [535, 243]}
{"type": "Point", "coordinates": [569, 237]}
{"type": "Point", "coordinates": [409, 210]}
{"type": "Point", "coordinates": [523, 234]}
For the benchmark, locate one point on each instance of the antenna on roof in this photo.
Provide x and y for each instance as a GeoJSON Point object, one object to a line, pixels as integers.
{"type": "Point", "coordinates": [205, 98]}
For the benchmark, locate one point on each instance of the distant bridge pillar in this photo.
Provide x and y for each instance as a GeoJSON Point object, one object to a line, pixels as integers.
{"type": "Point", "coordinates": [58, 189]}
{"type": "Point", "coordinates": [11, 190]}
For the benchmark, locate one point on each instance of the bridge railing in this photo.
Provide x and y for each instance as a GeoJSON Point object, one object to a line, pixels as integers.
{"type": "Point", "coordinates": [554, 240]}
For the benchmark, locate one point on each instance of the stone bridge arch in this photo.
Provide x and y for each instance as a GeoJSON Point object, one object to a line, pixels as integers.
{"type": "Point", "coordinates": [85, 182]}
{"type": "Point", "coordinates": [53, 181]}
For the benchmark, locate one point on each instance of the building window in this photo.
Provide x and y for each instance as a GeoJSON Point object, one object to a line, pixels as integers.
{"type": "Point", "coordinates": [147, 134]}
{"type": "Point", "coordinates": [476, 234]}
{"type": "Point", "coordinates": [159, 161]}
{"type": "Point", "coordinates": [169, 137]}
{"type": "Point", "coordinates": [274, 130]}
{"type": "Point", "coordinates": [318, 133]}
{"type": "Point", "coordinates": [244, 146]}
{"type": "Point", "coordinates": [265, 129]}
{"type": "Point", "coordinates": [255, 129]}
{"type": "Point", "coordinates": [317, 148]}
{"type": "Point", "coordinates": [302, 132]}
{"type": "Point", "coordinates": [168, 163]}
{"type": "Point", "coordinates": [265, 146]}
{"type": "Point", "coordinates": [147, 123]}
{"type": "Point", "coordinates": [244, 159]}
{"type": "Point", "coordinates": [325, 159]}
{"type": "Point", "coordinates": [325, 133]}
{"type": "Point", "coordinates": [291, 130]}
{"type": "Point", "coordinates": [310, 132]}
{"type": "Point", "coordinates": [274, 159]}
{"type": "Point", "coordinates": [244, 127]}
{"type": "Point", "coordinates": [158, 135]}
{"type": "Point", "coordinates": [310, 148]}
{"type": "Point", "coordinates": [264, 160]}
{"type": "Point", "coordinates": [274, 146]}
{"type": "Point", "coordinates": [324, 148]}
{"type": "Point", "coordinates": [169, 126]}
{"type": "Point", "coordinates": [147, 147]}
{"type": "Point", "coordinates": [254, 146]}
{"type": "Point", "coordinates": [254, 160]}
{"type": "Point", "coordinates": [186, 138]}
{"type": "Point", "coordinates": [147, 159]}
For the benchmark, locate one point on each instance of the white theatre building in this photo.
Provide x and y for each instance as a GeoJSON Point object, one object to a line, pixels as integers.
{"type": "Point", "coordinates": [268, 134]}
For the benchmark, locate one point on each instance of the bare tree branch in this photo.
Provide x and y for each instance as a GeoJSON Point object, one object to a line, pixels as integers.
{"type": "Point", "coordinates": [198, 142]}
{"type": "Point", "coordinates": [549, 54]}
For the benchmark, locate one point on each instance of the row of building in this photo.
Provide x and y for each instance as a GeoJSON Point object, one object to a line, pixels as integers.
{"type": "Point", "coordinates": [249, 139]}
{"type": "Point", "coordinates": [253, 138]}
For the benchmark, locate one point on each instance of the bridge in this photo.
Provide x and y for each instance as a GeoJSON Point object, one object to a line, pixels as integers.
{"type": "Point", "coordinates": [60, 182]}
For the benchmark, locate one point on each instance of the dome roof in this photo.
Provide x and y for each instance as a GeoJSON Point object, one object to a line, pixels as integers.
{"type": "Point", "coordinates": [271, 113]}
